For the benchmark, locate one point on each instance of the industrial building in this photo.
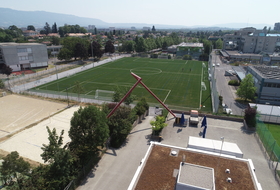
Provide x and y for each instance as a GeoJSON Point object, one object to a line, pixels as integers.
{"type": "Point", "coordinates": [22, 56]}
{"type": "Point", "coordinates": [267, 82]}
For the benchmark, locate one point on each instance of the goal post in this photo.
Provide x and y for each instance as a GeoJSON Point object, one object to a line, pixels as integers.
{"type": "Point", "coordinates": [203, 86]}
{"type": "Point", "coordinates": [104, 94]}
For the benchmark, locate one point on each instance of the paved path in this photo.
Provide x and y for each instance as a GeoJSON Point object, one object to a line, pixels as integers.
{"type": "Point", "coordinates": [117, 167]}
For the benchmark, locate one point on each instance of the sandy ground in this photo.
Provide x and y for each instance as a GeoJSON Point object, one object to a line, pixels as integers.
{"type": "Point", "coordinates": [17, 112]}
{"type": "Point", "coordinates": [28, 143]}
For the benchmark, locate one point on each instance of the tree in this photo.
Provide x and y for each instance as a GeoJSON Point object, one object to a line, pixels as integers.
{"type": "Point", "coordinates": [80, 51]}
{"type": "Point", "coordinates": [14, 168]}
{"type": "Point", "coordinates": [219, 44]}
{"type": "Point", "coordinates": [153, 29]}
{"type": "Point", "coordinates": [109, 47]}
{"type": "Point", "coordinates": [55, 40]}
{"type": "Point", "coordinates": [250, 116]}
{"type": "Point", "coordinates": [128, 46]}
{"type": "Point", "coordinates": [158, 125]}
{"type": "Point", "coordinates": [60, 171]}
{"type": "Point", "coordinates": [88, 130]}
{"type": "Point", "coordinates": [96, 49]}
{"type": "Point", "coordinates": [120, 125]}
{"type": "Point", "coordinates": [247, 89]}
{"type": "Point", "coordinates": [30, 27]}
{"type": "Point", "coordinates": [64, 54]}
{"type": "Point", "coordinates": [47, 29]}
{"type": "Point", "coordinates": [15, 31]}
{"type": "Point", "coordinates": [141, 107]}
{"type": "Point", "coordinates": [54, 28]}
{"type": "Point", "coordinates": [141, 45]}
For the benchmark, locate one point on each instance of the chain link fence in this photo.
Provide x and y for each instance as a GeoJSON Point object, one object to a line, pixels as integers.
{"type": "Point", "coordinates": [270, 147]}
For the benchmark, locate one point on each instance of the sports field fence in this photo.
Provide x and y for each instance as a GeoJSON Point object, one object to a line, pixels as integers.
{"type": "Point", "coordinates": [269, 146]}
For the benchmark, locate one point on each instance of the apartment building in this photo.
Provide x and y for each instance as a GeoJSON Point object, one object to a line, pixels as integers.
{"type": "Point", "coordinates": [251, 40]}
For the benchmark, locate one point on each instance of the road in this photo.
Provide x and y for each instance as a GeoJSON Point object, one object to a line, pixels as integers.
{"type": "Point", "coordinates": [227, 92]}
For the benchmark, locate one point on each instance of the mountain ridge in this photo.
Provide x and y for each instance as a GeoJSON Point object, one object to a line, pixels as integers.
{"type": "Point", "coordinates": [39, 18]}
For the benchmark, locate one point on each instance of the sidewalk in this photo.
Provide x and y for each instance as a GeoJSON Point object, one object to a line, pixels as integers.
{"type": "Point", "coordinates": [117, 167]}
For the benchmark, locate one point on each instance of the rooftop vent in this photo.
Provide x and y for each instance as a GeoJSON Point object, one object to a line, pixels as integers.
{"type": "Point", "coordinates": [229, 180]}
{"type": "Point", "coordinates": [173, 153]}
{"type": "Point", "coordinates": [227, 171]}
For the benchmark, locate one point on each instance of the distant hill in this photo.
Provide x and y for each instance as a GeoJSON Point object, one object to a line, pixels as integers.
{"type": "Point", "coordinates": [38, 19]}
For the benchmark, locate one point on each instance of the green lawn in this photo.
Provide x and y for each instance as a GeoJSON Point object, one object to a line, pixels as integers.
{"type": "Point", "coordinates": [275, 131]}
{"type": "Point", "coordinates": [176, 82]}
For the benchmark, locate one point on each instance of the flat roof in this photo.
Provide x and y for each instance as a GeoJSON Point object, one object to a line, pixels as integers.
{"type": "Point", "coordinates": [268, 72]}
{"type": "Point", "coordinates": [241, 73]}
{"type": "Point", "coordinates": [19, 44]}
{"type": "Point", "coordinates": [157, 169]}
{"type": "Point", "coordinates": [190, 44]}
{"type": "Point", "coordinates": [267, 109]}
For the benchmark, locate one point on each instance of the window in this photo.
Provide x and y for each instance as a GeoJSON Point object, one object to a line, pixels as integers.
{"type": "Point", "coordinates": [28, 50]}
{"type": "Point", "coordinates": [22, 58]}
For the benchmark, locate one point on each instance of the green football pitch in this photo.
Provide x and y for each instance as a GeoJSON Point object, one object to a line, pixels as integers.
{"type": "Point", "coordinates": [178, 83]}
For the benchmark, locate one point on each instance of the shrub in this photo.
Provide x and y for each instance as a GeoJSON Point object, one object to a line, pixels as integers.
{"type": "Point", "coordinates": [187, 57]}
{"type": "Point", "coordinates": [250, 116]}
{"type": "Point", "coordinates": [158, 125]}
{"type": "Point", "coordinates": [169, 56]}
{"type": "Point", "coordinates": [233, 82]}
{"type": "Point", "coordinates": [154, 55]}
{"type": "Point", "coordinates": [2, 84]}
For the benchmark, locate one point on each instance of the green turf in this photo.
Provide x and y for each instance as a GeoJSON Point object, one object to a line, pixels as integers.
{"type": "Point", "coordinates": [275, 131]}
{"type": "Point", "coordinates": [177, 82]}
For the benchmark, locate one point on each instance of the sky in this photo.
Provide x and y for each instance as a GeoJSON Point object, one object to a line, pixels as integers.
{"type": "Point", "coordinates": [169, 12]}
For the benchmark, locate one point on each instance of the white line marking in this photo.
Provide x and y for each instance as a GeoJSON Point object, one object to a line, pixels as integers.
{"type": "Point", "coordinates": [166, 96]}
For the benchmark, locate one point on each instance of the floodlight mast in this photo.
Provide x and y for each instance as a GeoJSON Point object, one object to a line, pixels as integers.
{"type": "Point", "coordinates": [132, 88]}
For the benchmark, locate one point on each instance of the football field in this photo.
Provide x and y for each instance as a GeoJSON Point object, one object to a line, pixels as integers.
{"type": "Point", "coordinates": [178, 83]}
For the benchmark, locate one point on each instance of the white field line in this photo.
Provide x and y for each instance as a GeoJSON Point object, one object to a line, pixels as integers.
{"type": "Point", "coordinates": [73, 86]}
{"type": "Point", "coordinates": [88, 92]}
{"type": "Point", "coordinates": [129, 85]}
{"type": "Point", "coordinates": [186, 62]}
{"type": "Point", "coordinates": [179, 73]}
{"type": "Point", "coordinates": [166, 96]}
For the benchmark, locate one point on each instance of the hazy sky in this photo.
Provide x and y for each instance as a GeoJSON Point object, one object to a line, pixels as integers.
{"type": "Point", "coordinates": [171, 12]}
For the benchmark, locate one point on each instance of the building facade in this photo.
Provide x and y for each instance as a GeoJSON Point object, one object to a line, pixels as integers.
{"type": "Point", "coordinates": [277, 26]}
{"type": "Point", "coordinates": [251, 40]}
{"type": "Point", "coordinates": [21, 56]}
{"type": "Point", "coordinates": [267, 82]}
{"type": "Point", "coordinates": [193, 49]}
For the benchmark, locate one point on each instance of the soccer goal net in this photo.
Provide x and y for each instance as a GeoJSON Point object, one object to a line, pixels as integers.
{"type": "Point", "coordinates": [104, 94]}
{"type": "Point", "coordinates": [203, 86]}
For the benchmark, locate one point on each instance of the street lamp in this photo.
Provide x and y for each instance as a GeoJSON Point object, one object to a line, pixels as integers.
{"type": "Point", "coordinates": [91, 49]}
